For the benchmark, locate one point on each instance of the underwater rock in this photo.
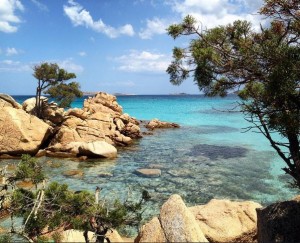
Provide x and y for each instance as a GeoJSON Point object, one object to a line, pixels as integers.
{"type": "Point", "coordinates": [148, 172]}
{"type": "Point", "coordinates": [73, 173]}
{"type": "Point", "coordinates": [214, 152]}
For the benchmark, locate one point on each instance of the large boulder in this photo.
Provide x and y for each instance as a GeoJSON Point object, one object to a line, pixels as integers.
{"type": "Point", "coordinates": [227, 221]}
{"type": "Point", "coordinates": [29, 104]}
{"type": "Point", "coordinates": [8, 101]}
{"type": "Point", "coordinates": [279, 222]}
{"type": "Point", "coordinates": [155, 123]}
{"type": "Point", "coordinates": [175, 223]}
{"type": "Point", "coordinates": [21, 132]}
{"type": "Point", "coordinates": [95, 149]}
{"type": "Point", "coordinates": [151, 232]}
{"type": "Point", "coordinates": [51, 112]}
{"type": "Point", "coordinates": [178, 223]}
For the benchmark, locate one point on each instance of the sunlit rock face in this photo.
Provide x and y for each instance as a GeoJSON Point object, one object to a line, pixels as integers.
{"type": "Point", "coordinates": [100, 120]}
{"type": "Point", "coordinates": [20, 132]}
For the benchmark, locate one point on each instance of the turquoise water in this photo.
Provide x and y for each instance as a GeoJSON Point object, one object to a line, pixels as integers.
{"type": "Point", "coordinates": [208, 157]}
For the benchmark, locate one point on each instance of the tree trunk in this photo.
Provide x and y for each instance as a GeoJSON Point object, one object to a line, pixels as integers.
{"type": "Point", "coordinates": [295, 154]}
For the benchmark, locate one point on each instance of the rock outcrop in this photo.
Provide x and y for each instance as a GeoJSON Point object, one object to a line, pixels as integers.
{"type": "Point", "coordinates": [8, 101]}
{"type": "Point", "coordinates": [217, 221]}
{"type": "Point", "coordinates": [92, 131]}
{"type": "Point", "coordinates": [176, 223]}
{"type": "Point", "coordinates": [279, 222]}
{"type": "Point", "coordinates": [51, 113]}
{"type": "Point", "coordinates": [227, 221]}
{"type": "Point", "coordinates": [155, 123]}
{"type": "Point", "coordinates": [21, 132]}
{"type": "Point", "coordinates": [99, 124]}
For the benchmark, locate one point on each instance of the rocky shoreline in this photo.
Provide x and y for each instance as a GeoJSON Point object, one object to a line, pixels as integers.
{"type": "Point", "coordinates": [218, 221]}
{"type": "Point", "coordinates": [94, 131]}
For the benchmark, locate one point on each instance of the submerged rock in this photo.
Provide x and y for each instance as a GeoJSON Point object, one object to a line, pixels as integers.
{"type": "Point", "coordinates": [279, 222]}
{"type": "Point", "coordinates": [73, 173]}
{"type": "Point", "coordinates": [155, 123]}
{"type": "Point", "coordinates": [148, 172]}
{"type": "Point", "coordinates": [227, 221]}
{"type": "Point", "coordinates": [20, 132]}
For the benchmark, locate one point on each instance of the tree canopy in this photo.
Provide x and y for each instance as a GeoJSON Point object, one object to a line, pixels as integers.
{"type": "Point", "coordinates": [51, 80]}
{"type": "Point", "coordinates": [263, 66]}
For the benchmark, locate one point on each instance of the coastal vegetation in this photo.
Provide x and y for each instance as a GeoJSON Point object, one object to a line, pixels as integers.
{"type": "Point", "coordinates": [51, 80]}
{"type": "Point", "coordinates": [263, 66]}
{"type": "Point", "coordinates": [52, 208]}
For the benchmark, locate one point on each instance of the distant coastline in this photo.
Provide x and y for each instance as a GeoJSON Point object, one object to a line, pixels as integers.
{"type": "Point", "coordinates": [89, 93]}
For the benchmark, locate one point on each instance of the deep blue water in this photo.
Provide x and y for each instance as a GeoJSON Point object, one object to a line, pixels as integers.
{"type": "Point", "coordinates": [208, 157]}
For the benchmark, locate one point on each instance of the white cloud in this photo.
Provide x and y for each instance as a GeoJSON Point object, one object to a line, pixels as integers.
{"type": "Point", "coordinates": [17, 66]}
{"type": "Point", "coordinates": [82, 53]}
{"type": "Point", "coordinates": [153, 27]}
{"type": "Point", "coordinates": [81, 17]}
{"type": "Point", "coordinates": [219, 12]}
{"type": "Point", "coordinates": [14, 66]}
{"type": "Point", "coordinates": [41, 6]}
{"type": "Point", "coordinates": [143, 61]}
{"type": "Point", "coordinates": [8, 17]}
{"type": "Point", "coordinates": [70, 66]}
{"type": "Point", "coordinates": [10, 51]}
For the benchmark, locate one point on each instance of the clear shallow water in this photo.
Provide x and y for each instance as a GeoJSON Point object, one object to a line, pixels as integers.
{"type": "Point", "coordinates": [208, 157]}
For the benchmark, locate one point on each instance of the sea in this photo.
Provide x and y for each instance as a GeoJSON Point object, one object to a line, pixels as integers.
{"type": "Point", "coordinates": [212, 155]}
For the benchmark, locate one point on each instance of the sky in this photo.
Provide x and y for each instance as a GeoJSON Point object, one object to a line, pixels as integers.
{"type": "Point", "coordinates": [115, 46]}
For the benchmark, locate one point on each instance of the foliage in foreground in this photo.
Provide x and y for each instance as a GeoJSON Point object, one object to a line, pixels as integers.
{"type": "Point", "coordinates": [262, 65]}
{"type": "Point", "coordinates": [55, 206]}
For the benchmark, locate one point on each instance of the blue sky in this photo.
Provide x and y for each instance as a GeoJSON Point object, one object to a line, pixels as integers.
{"type": "Point", "coordinates": [111, 45]}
